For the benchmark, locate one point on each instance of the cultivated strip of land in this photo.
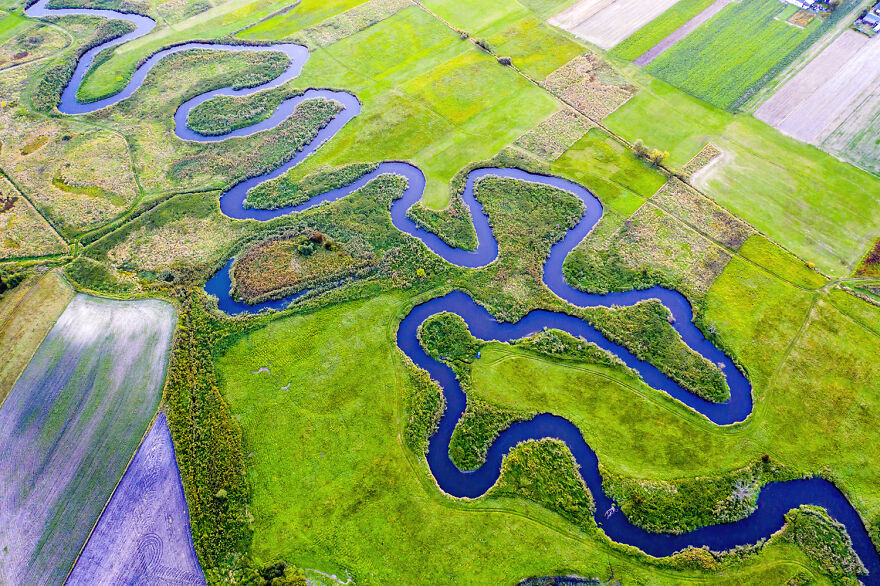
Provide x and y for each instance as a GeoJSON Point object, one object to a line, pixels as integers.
{"type": "Point", "coordinates": [27, 313]}
{"type": "Point", "coordinates": [683, 31]}
{"type": "Point", "coordinates": [828, 88]}
{"type": "Point", "coordinates": [73, 420]}
{"type": "Point", "coordinates": [604, 23]}
{"type": "Point", "coordinates": [144, 531]}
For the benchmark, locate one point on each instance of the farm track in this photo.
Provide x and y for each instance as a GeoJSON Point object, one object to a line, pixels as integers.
{"type": "Point", "coordinates": [774, 500]}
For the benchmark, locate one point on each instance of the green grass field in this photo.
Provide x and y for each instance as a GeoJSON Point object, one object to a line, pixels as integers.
{"type": "Point", "coordinates": [732, 52]}
{"type": "Point", "coordinates": [349, 484]}
{"type": "Point", "coordinates": [11, 23]}
{"type": "Point", "coordinates": [306, 13]}
{"type": "Point", "coordinates": [765, 176]}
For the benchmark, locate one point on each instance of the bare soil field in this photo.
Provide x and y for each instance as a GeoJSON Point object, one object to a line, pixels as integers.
{"type": "Point", "coordinates": [73, 419]}
{"type": "Point", "coordinates": [143, 534]}
{"type": "Point", "coordinates": [855, 135]}
{"type": "Point", "coordinates": [828, 89]}
{"type": "Point", "coordinates": [606, 23]}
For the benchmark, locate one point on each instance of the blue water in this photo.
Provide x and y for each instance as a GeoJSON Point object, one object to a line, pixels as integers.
{"type": "Point", "coordinates": [775, 499]}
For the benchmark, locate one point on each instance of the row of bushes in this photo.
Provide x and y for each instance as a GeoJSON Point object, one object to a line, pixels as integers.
{"type": "Point", "coordinates": [208, 444]}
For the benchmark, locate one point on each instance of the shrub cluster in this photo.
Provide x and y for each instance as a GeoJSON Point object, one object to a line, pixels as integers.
{"type": "Point", "coordinates": [562, 345]}
{"type": "Point", "coordinates": [285, 191]}
{"type": "Point", "coordinates": [825, 540]}
{"type": "Point", "coordinates": [684, 505]}
{"type": "Point", "coordinates": [207, 442]}
{"type": "Point", "coordinates": [425, 405]}
{"type": "Point", "coordinates": [546, 473]}
{"type": "Point", "coordinates": [645, 330]}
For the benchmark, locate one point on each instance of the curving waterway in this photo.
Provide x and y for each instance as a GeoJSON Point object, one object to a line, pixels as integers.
{"type": "Point", "coordinates": [775, 499]}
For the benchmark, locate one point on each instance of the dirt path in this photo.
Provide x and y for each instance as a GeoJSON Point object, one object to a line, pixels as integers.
{"type": "Point", "coordinates": [682, 31]}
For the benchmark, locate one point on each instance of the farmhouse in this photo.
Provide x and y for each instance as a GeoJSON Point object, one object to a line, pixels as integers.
{"type": "Point", "coordinates": [805, 4]}
{"type": "Point", "coordinates": [872, 18]}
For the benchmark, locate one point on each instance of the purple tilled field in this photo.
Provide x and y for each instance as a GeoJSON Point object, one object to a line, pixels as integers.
{"type": "Point", "coordinates": [143, 536]}
{"type": "Point", "coordinates": [70, 426]}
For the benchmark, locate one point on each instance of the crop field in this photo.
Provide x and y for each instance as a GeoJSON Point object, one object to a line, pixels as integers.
{"type": "Point", "coordinates": [641, 41]}
{"type": "Point", "coordinates": [300, 214]}
{"type": "Point", "coordinates": [730, 55]}
{"type": "Point", "coordinates": [763, 176]}
{"type": "Point", "coordinates": [816, 105]}
{"type": "Point", "coordinates": [606, 23]}
{"type": "Point", "coordinates": [74, 419]}
{"type": "Point", "coordinates": [27, 313]}
{"type": "Point", "coordinates": [145, 524]}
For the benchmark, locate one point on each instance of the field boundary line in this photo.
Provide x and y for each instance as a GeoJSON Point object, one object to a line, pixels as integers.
{"type": "Point", "coordinates": [15, 311]}
{"type": "Point", "coordinates": [771, 380]}
{"type": "Point", "coordinates": [62, 30]}
{"type": "Point", "coordinates": [852, 318]}
{"type": "Point", "coordinates": [620, 139]}
{"type": "Point", "coordinates": [34, 206]}
{"type": "Point", "coordinates": [728, 249]}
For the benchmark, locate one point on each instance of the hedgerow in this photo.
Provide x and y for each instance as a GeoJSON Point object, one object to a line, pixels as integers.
{"type": "Point", "coordinates": [207, 442]}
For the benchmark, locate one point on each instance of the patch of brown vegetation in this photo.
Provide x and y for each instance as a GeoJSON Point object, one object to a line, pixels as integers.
{"type": "Point", "coordinates": [801, 18]}
{"type": "Point", "coordinates": [555, 135]}
{"type": "Point", "coordinates": [708, 154]}
{"type": "Point", "coordinates": [697, 210]}
{"type": "Point", "coordinates": [23, 232]}
{"type": "Point", "coordinates": [7, 202]}
{"type": "Point", "coordinates": [293, 262]}
{"type": "Point", "coordinates": [590, 85]}
{"type": "Point", "coordinates": [189, 241]}
{"type": "Point", "coordinates": [870, 265]}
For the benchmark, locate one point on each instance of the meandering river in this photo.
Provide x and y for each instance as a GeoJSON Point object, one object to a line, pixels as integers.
{"type": "Point", "coordinates": [775, 499]}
